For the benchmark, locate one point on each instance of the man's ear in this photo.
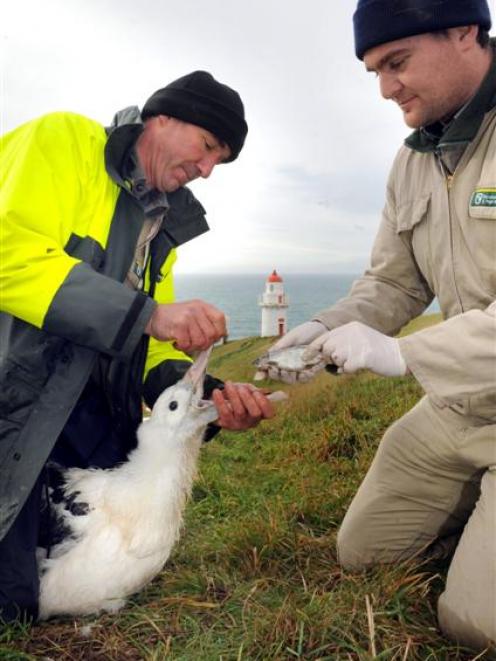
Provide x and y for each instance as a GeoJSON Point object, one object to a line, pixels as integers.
{"type": "Point", "coordinates": [153, 120]}
{"type": "Point", "coordinates": [465, 35]}
{"type": "Point", "coordinates": [168, 119]}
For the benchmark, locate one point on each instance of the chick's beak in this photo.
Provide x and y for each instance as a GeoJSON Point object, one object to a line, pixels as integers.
{"type": "Point", "coordinates": [206, 410]}
{"type": "Point", "coordinates": [196, 373]}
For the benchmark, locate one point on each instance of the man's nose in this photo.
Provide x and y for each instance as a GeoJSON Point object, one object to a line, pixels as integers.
{"type": "Point", "coordinates": [206, 165]}
{"type": "Point", "coordinates": [390, 85]}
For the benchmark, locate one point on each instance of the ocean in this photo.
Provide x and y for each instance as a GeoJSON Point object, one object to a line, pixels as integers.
{"type": "Point", "coordinates": [237, 296]}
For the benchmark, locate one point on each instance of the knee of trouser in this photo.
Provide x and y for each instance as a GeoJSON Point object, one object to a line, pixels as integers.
{"type": "Point", "coordinates": [358, 543]}
{"type": "Point", "coordinates": [471, 629]}
{"type": "Point", "coordinates": [351, 548]}
{"type": "Point", "coordinates": [467, 607]}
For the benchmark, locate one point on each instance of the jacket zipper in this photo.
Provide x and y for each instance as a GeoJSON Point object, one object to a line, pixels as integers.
{"type": "Point", "coordinates": [449, 185]}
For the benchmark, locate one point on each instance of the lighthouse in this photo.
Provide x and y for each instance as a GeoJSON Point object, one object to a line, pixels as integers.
{"type": "Point", "coordinates": [274, 304]}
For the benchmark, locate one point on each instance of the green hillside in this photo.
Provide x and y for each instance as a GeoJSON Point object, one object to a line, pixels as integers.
{"type": "Point", "coordinates": [255, 574]}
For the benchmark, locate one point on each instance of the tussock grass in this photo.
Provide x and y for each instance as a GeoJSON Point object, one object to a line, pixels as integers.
{"type": "Point", "coordinates": [255, 575]}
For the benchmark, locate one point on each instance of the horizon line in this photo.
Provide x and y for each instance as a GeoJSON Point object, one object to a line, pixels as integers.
{"type": "Point", "coordinates": [258, 273]}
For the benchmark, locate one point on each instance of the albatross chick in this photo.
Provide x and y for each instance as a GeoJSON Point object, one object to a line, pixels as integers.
{"type": "Point", "coordinates": [124, 521]}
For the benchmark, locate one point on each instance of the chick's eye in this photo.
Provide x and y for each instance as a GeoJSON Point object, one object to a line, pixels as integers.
{"type": "Point", "coordinates": [173, 406]}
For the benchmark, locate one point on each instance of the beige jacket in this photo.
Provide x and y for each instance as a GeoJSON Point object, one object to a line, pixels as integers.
{"type": "Point", "coordinates": [438, 237]}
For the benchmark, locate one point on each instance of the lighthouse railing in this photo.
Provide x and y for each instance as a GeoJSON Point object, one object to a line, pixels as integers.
{"type": "Point", "coordinates": [275, 301]}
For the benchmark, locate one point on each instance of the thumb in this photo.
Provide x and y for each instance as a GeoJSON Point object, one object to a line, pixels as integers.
{"type": "Point", "coordinates": [282, 343]}
{"type": "Point", "coordinates": [315, 347]}
{"type": "Point", "coordinates": [311, 351]}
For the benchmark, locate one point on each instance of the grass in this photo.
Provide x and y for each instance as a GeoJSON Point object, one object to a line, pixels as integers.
{"type": "Point", "coordinates": [255, 574]}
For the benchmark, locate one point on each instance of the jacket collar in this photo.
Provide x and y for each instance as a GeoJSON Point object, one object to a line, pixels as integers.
{"type": "Point", "coordinates": [122, 134]}
{"type": "Point", "coordinates": [464, 126]}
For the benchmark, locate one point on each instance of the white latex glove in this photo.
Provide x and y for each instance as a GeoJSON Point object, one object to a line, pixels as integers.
{"type": "Point", "coordinates": [356, 346]}
{"type": "Point", "coordinates": [302, 334]}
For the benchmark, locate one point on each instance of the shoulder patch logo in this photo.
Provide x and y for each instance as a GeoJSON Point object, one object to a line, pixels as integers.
{"type": "Point", "coordinates": [483, 197]}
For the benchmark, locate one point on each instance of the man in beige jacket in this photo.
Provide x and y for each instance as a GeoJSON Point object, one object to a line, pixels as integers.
{"type": "Point", "coordinates": [432, 484]}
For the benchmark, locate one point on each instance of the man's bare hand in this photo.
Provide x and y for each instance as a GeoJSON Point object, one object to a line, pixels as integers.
{"type": "Point", "coordinates": [191, 325]}
{"type": "Point", "coordinates": [241, 406]}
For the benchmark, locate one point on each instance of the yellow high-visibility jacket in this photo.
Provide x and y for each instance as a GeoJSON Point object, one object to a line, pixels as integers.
{"type": "Point", "coordinates": [68, 233]}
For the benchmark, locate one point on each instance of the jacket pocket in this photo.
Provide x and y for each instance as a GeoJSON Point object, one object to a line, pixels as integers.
{"type": "Point", "coordinates": [413, 227]}
{"type": "Point", "coordinates": [18, 394]}
{"type": "Point", "coordinates": [410, 214]}
{"type": "Point", "coordinates": [19, 390]}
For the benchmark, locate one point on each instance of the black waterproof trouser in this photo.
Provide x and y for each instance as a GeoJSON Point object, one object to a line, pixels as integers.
{"type": "Point", "coordinates": [19, 583]}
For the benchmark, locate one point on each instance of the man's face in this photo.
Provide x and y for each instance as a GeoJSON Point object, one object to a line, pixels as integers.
{"type": "Point", "coordinates": [172, 152]}
{"type": "Point", "coordinates": [423, 74]}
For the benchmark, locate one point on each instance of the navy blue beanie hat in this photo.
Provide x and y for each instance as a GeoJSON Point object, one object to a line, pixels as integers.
{"type": "Point", "coordinates": [199, 99]}
{"type": "Point", "coordinates": [376, 22]}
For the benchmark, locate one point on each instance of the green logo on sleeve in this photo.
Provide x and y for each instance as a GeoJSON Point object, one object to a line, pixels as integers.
{"type": "Point", "coordinates": [483, 197]}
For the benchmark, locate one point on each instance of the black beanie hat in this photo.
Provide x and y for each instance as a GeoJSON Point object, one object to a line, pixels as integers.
{"type": "Point", "coordinates": [200, 99]}
{"type": "Point", "coordinates": [376, 22]}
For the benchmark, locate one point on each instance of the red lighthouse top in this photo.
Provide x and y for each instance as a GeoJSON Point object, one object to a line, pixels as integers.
{"type": "Point", "coordinates": [274, 277]}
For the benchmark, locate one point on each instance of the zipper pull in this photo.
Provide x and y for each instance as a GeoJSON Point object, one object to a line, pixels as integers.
{"type": "Point", "coordinates": [449, 181]}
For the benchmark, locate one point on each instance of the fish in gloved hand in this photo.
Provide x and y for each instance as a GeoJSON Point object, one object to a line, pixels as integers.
{"type": "Point", "coordinates": [291, 364]}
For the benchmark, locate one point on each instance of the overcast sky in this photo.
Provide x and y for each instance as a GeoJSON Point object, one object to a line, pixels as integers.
{"type": "Point", "coordinates": [306, 193]}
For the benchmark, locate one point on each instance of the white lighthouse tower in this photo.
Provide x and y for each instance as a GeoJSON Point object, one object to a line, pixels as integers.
{"type": "Point", "coordinates": [274, 304]}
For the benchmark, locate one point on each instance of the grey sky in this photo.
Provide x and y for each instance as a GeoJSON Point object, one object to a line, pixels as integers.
{"type": "Point", "coordinates": [306, 193]}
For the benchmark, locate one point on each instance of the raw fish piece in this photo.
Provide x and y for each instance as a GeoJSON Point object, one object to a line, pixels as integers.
{"type": "Point", "coordinates": [290, 360]}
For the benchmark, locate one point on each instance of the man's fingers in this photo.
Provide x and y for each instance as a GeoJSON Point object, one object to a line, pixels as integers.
{"type": "Point", "coordinates": [188, 336]}
{"type": "Point", "coordinates": [311, 352]}
{"type": "Point", "coordinates": [226, 419]}
{"type": "Point", "coordinates": [221, 404]}
{"type": "Point", "coordinates": [328, 347]}
{"type": "Point", "coordinates": [233, 395]}
{"type": "Point", "coordinates": [253, 402]}
{"type": "Point", "coordinates": [264, 404]}
{"type": "Point", "coordinates": [191, 325]}
{"type": "Point", "coordinates": [241, 406]}
{"type": "Point", "coordinates": [208, 324]}
{"type": "Point", "coordinates": [203, 332]}
{"type": "Point", "coordinates": [253, 388]}
{"type": "Point", "coordinates": [218, 322]}
{"type": "Point", "coordinates": [204, 323]}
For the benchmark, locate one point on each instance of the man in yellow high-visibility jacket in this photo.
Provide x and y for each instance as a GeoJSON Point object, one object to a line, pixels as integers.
{"type": "Point", "coordinates": [90, 219]}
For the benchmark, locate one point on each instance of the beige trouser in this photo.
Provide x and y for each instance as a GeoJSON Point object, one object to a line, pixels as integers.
{"type": "Point", "coordinates": [430, 482]}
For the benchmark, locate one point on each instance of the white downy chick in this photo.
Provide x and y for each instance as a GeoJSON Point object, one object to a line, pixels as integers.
{"type": "Point", "coordinates": [132, 514]}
